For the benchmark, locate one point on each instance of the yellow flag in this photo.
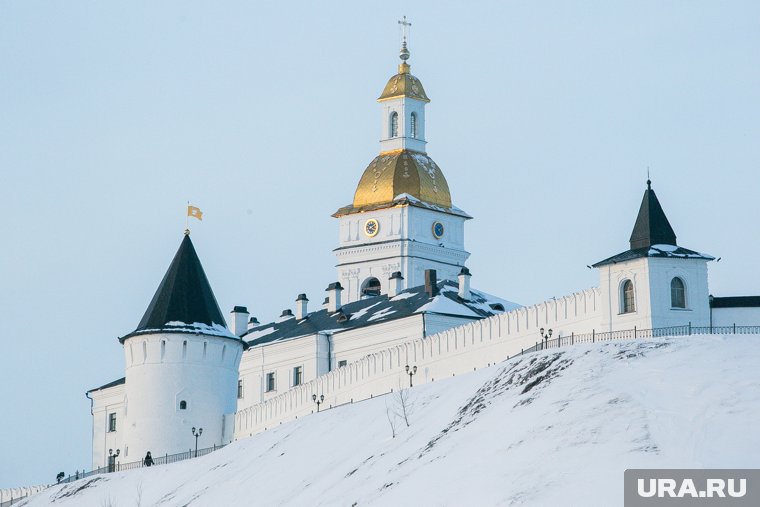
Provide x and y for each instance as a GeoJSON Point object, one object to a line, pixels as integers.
{"type": "Point", "coordinates": [192, 211]}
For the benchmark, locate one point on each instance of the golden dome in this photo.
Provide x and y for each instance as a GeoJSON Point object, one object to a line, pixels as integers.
{"type": "Point", "coordinates": [403, 84]}
{"type": "Point", "coordinates": [402, 172]}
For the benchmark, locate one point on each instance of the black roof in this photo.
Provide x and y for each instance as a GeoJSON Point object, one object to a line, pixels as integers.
{"type": "Point", "coordinates": [184, 301]}
{"type": "Point", "coordinates": [652, 235]}
{"type": "Point", "coordinates": [735, 302]}
{"type": "Point", "coordinates": [118, 382]}
{"type": "Point", "coordinates": [654, 251]}
{"type": "Point", "coordinates": [374, 310]}
{"type": "Point", "coordinates": [652, 226]}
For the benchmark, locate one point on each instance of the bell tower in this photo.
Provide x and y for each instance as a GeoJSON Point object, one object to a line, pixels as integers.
{"type": "Point", "coordinates": [402, 218]}
{"type": "Point", "coordinates": [403, 106]}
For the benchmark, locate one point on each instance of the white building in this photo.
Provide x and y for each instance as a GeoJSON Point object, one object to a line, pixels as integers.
{"type": "Point", "coordinates": [181, 373]}
{"type": "Point", "coordinates": [401, 276]}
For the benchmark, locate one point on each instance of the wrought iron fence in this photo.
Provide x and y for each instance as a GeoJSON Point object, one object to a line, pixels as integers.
{"type": "Point", "coordinates": [635, 333]}
{"type": "Point", "coordinates": [160, 460]}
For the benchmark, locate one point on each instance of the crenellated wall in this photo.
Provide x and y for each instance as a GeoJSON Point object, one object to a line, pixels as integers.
{"type": "Point", "coordinates": [9, 494]}
{"type": "Point", "coordinates": [452, 352]}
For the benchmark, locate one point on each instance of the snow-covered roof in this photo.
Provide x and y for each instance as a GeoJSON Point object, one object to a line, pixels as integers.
{"type": "Point", "coordinates": [374, 310]}
{"type": "Point", "coordinates": [655, 251]}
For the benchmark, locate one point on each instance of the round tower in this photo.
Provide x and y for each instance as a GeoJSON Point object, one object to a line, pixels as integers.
{"type": "Point", "coordinates": [181, 366]}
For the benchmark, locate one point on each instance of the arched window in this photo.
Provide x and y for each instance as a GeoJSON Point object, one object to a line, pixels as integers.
{"type": "Point", "coordinates": [183, 405]}
{"type": "Point", "coordinates": [413, 125]}
{"type": "Point", "coordinates": [371, 287]}
{"type": "Point", "coordinates": [677, 293]}
{"type": "Point", "coordinates": [394, 124]}
{"type": "Point", "coordinates": [628, 298]}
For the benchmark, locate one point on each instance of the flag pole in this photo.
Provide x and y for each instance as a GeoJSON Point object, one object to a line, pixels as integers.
{"type": "Point", "coordinates": [187, 218]}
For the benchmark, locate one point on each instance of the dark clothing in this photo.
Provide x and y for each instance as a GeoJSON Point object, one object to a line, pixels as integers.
{"type": "Point", "coordinates": [148, 461]}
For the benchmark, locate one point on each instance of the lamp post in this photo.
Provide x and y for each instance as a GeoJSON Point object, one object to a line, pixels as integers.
{"type": "Point", "coordinates": [319, 400]}
{"type": "Point", "coordinates": [545, 338]}
{"type": "Point", "coordinates": [196, 434]}
{"type": "Point", "coordinates": [411, 371]}
{"type": "Point", "coordinates": [112, 459]}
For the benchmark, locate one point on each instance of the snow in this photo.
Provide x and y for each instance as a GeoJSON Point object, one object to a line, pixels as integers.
{"type": "Point", "coordinates": [259, 333]}
{"type": "Point", "coordinates": [382, 314]}
{"type": "Point", "coordinates": [403, 295]}
{"type": "Point", "coordinates": [670, 251]}
{"type": "Point", "coordinates": [195, 327]}
{"type": "Point", "coordinates": [442, 304]}
{"type": "Point", "coordinates": [541, 429]}
{"type": "Point", "coordinates": [361, 313]}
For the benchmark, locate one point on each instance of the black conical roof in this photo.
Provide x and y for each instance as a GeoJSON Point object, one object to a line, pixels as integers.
{"type": "Point", "coordinates": [652, 226]}
{"type": "Point", "coordinates": [184, 298]}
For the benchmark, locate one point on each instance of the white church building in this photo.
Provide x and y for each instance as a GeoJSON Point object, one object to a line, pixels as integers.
{"type": "Point", "coordinates": [401, 278]}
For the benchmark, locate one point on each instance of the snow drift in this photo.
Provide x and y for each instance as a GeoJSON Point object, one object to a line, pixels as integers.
{"type": "Point", "coordinates": [552, 428]}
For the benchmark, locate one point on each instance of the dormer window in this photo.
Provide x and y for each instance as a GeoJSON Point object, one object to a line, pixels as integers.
{"type": "Point", "coordinates": [394, 124]}
{"type": "Point", "coordinates": [677, 293]}
{"type": "Point", "coordinates": [627, 299]}
{"type": "Point", "coordinates": [413, 125]}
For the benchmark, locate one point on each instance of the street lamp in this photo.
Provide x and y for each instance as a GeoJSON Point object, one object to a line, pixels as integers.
{"type": "Point", "coordinates": [410, 372]}
{"type": "Point", "coordinates": [545, 337]}
{"type": "Point", "coordinates": [318, 401]}
{"type": "Point", "coordinates": [112, 459]}
{"type": "Point", "coordinates": [196, 435]}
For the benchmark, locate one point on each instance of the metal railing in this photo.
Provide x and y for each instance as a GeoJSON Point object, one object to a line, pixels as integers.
{"type": "Point", "coordinates": [635, 333]}
{"type": "Point", "coordinates": [157, 461]}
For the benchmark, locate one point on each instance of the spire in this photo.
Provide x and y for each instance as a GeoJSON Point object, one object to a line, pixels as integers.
{"type": "Point", "coordinates": [652, 226]}
{"type": "Point", "coordinates": [184, 298]}
{"type": "Point", "coordinates": [404, 53]}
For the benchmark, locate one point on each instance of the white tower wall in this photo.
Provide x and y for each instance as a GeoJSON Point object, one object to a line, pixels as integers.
{"type": "Point", "coordinates": [164, 369]}
{"type": "Point", "coordinates": [405, 242]}
{"type": "Point", "coordinates": [406, 139]}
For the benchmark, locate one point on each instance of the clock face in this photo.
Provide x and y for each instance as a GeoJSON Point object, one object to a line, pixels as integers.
{"type": "Point", "coordinates": [438, 230]}
{"type": "Point", "coordinates": [371, 227]}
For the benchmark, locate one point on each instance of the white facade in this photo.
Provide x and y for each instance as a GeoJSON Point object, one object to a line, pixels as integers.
{"type": "Point", "coordinates": [108, 427]}
{"type": "Point", "coordinates": [405, 130]}
{"type": "Point", "coordinates": [651, 278]}
{"type": "Point", "coordinates": [174, 382]}
{"type": "Point", "coordinates": [404, 242]}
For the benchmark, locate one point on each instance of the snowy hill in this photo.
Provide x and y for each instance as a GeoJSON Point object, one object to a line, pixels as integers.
{"type": "Point", "coordinates": [554, 428]}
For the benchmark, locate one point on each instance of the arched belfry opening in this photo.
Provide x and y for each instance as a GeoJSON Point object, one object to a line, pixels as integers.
{"type": "Point", "coordinates": [371, 287]}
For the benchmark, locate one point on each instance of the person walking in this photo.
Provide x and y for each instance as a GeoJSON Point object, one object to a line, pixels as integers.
{"type": "Point", "coordinates": [148, 461]}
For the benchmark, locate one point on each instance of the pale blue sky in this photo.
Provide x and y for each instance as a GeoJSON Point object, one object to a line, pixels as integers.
{"type": "Point", "coordinates": [544, 117]}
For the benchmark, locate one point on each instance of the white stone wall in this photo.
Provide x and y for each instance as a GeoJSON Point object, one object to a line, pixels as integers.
{"type": "Point", "coordinates": [8, 494]}
{"type": "Point", "coordinates": [164, 369]}
{"type": "Point", "coordinates": [106, 402]}
{"type": "Point", "coordinates": [452, 352]}
{"type": "Point", "coordinates": [747, 316]}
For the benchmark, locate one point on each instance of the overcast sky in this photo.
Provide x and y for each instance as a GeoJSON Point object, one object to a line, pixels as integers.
{"type": "Point", "coordinates": [544, 119]}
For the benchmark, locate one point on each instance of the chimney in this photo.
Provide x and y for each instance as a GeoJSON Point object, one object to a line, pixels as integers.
{"type": "Point", "coordinates": [325, 303]}
{"type": "Point", "coordinates": [464, 284]}
{"type": "Point", "coordinates": [286, 314]}
{"type": "Point", "coordinates": [333, 297]}
{"type": "Point", "coordinates": [301, 306]}
{"type": "Point", "coordinates": [431, 284]}
{"type": "Point", "coordinates": [253, 322]}
{"type": "Point", "coordinates": [239, 320]}
{"type": "Point", "coordinates": [395, 285]}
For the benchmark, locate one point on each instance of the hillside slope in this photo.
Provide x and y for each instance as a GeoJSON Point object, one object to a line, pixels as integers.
{"type": "Point", "coordinates": [554, 428]}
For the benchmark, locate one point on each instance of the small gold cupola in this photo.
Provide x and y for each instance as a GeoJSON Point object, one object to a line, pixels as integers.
{"type": "Point", "coordinates": [403, 171]}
